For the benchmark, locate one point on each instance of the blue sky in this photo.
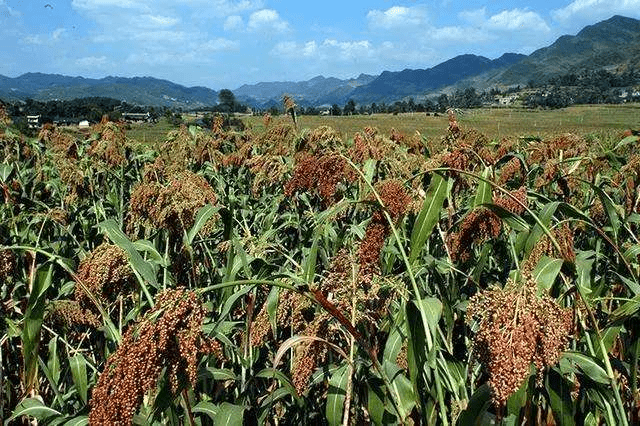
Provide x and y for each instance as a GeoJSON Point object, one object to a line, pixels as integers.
{"type": "Point", "coordinates": [225, 43]}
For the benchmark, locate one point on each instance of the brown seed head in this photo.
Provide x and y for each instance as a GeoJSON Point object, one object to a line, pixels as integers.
{"type": "Point", "coordinates": [517, 328]}
{"type": "Point", "coordinates": [168, 336]}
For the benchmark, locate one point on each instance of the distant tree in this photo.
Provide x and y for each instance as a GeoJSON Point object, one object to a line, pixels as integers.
{"type": "Point", "coordinates": [411, 105]}
{"type": "Point", "coordinates": [350, 107]}
{"type": "Point", "coordinates": [226, 100]}
{"type": "Point", "coordinates": [335, 110]}
{"type": "Point", "coordinates": [443, 102]}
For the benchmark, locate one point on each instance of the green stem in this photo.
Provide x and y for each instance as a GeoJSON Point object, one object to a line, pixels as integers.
{"type": "Point", "coordinates": [317, 298]}
{"type": "Point", "coordinates": [414, 286]}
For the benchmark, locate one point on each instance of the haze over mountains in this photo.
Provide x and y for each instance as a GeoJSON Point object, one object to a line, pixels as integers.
{"type": "Point", "coordinates": [613, 44]}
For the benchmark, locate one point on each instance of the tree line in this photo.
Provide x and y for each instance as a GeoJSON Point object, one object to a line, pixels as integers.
{"type": "Point", "coordinates": [588, 87]}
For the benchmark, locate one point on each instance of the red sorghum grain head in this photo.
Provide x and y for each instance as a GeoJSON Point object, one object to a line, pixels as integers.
{"type": "Point", "coordinates": [478, 226]}
{"type": "Point", "coordinates": [516, 202]}
{"type": "Point", "coordinates": [517, 328]}
{"type": "Point", "coordinates": [106, 274]}
{"type": "Point", "coordinates": [511, 170]}
{"type": "Point", "coordinates": [169, 337]}
{"type": "Point", "coordinates": [70, 313]}
{"type": "Point", "coordinates": [172, 206]}
{"type": "Point", "coordinates": [319, 173]}
{"type": "Point", "coordinates": [309, 355]}
{"type": "Point", "coordinates": [110, 146]}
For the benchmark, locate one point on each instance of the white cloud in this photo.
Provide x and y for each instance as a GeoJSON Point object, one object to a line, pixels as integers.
{"type": "Point", "coordinates": [155, 21]}
{"type": "Point", "coordinates": [475, 17]}
{"type": "Point", "coordinates": [92, 62]}
{"type": "Point", "coordinates": [397, 17]}
{"type": "Point", "coordinates": [218, 45]}
{"type": "Point", "coordinates": [34, 39]}
{"type": "Point", "coordinates": [97, 5]}
{"type": "Point", "coordinates": [458, 34]}
{"type": "Point", "coordinates": [233, 22]}
{"type": "Point", "coordinates": [267, 20]}
{"type": "Point", "coordinates": [165, 36]}
{"type": "Point", "coordinates": [517, 19]}
{"type": "Point", "coordinates": [6, 10]}
{"type": "Point", "coordinates": [45, 39]}
{"type": "Point", "coordinates": [58, 33]}
{"type": "Point", "coordinates": [328, 49]}
{"type": "Point", "coordinates": [593, 10]}
{"type": "Point", "coordinates": [218, 7]}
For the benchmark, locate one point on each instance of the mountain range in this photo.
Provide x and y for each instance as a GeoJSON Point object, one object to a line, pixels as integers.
{"type": "Point", "coordinates": [613, 44]}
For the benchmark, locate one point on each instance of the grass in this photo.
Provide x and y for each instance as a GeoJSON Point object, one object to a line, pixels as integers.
{"type": "Point", "coordinates": [604, 121]}
{"type": "Point", "coordinates": [148, 132]}
{"type": "Point", "coordinates": [495, 123]}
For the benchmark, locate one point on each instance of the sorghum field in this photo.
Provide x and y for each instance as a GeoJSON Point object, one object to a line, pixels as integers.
{"type": "Point", "coordinates": [293, 273]}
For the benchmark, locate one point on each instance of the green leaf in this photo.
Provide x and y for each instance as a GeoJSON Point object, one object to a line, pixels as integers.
{"type": "Point", "coordinates": [53, 362]}
{"type": "Point", "coordinates": [393, 345]}
{"type": "Point", "coordinates": [608, 336]}
{"type": "Point", "coordinates": [587, 365]}
{"type": "Point", "coordinates": [309, 264]}
{"type": "Point", "coordinates": [336, 396]}
{"type": "Point", "coordinates": [538, 232]}
{"type": "Point", "coordinates": [272, 373]}
{"type": "Point", "coordinates": [514, 221]}
{"type": "Point", "coordinates": [401, 386]}
{"type": "Point", "coordinates": [33, 407]}
{"type": "Point", "coordinates": [143, 269]}
{"type": "Point", "coordinates": [476, 413]}
{"type": "Point", "coordinates": [206, 407]}
{"type": "Point", "coordinates": [559, 391]}
{"type": "Point", "coordinates": [32, 325]}
{"type": "Point", "coordinates": [148, 247]}
{"type": "Point", "coordinates": [375, 403]}
{"type": "Point", "coordinates": [546, 272]}
{"type": "Point", "coordinates": [429, 215]}
{"type": "Point", "coordinates": [78, 421]}
{"type": "Point", "coordinates": [229, 415]}
{"type": "Point", "coordinates": [584, 264]}
{"type": "Point", "coordinates": [483, 194]}
{"type": "Point", "coordinates": [5, 172]}
{"type": "Point", "coordinates": [433, 311]}
{"type": "Point", "coordinates": [79, 374]}
{"type": "Point", "coordinates": [627, 309]}
{"type": "Point", "coordinates": [632, 253]}
{"type": "Point", "coordinates": [221, 373]}
{"type": "Point", "coordinates": [614, 220]}
{"type": "Point", "coordinates": [272, 308]}
{"type": "Point", "coordinates": [627, 141]}
{"type": "Point", "coordinates": [202, 217]}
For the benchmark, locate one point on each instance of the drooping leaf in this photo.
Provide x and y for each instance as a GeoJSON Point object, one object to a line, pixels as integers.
{"type": "Point", "coordinates": [587, 365]}
{"type": "Point", "coordinates": [429, 215]}
{"type": "Point", "coordinates": [476, 413]}
{"type": "Point", "coordinates": [336, 395]}
{"type": "Point", "coordinates": [206, 407]}
{"type": "Point", "coordinates": [144, 271]}
{"type": "Point", "coordinates": [559, 391]}
{"type": "Point", "coordinates": [33, 407]}
{"type": "Point", "coordinates": [546, 271]}
{"type": "Point", "coordinates": [483, 193]}
{"type": "Point", "coordinates": [229, 415]}
{"type": "Point", "coordinates": [78, 421]}
{"type": "Point", "coordinates": [79, 374]}
{"type": "Point", "coordinates": [202, 217]}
